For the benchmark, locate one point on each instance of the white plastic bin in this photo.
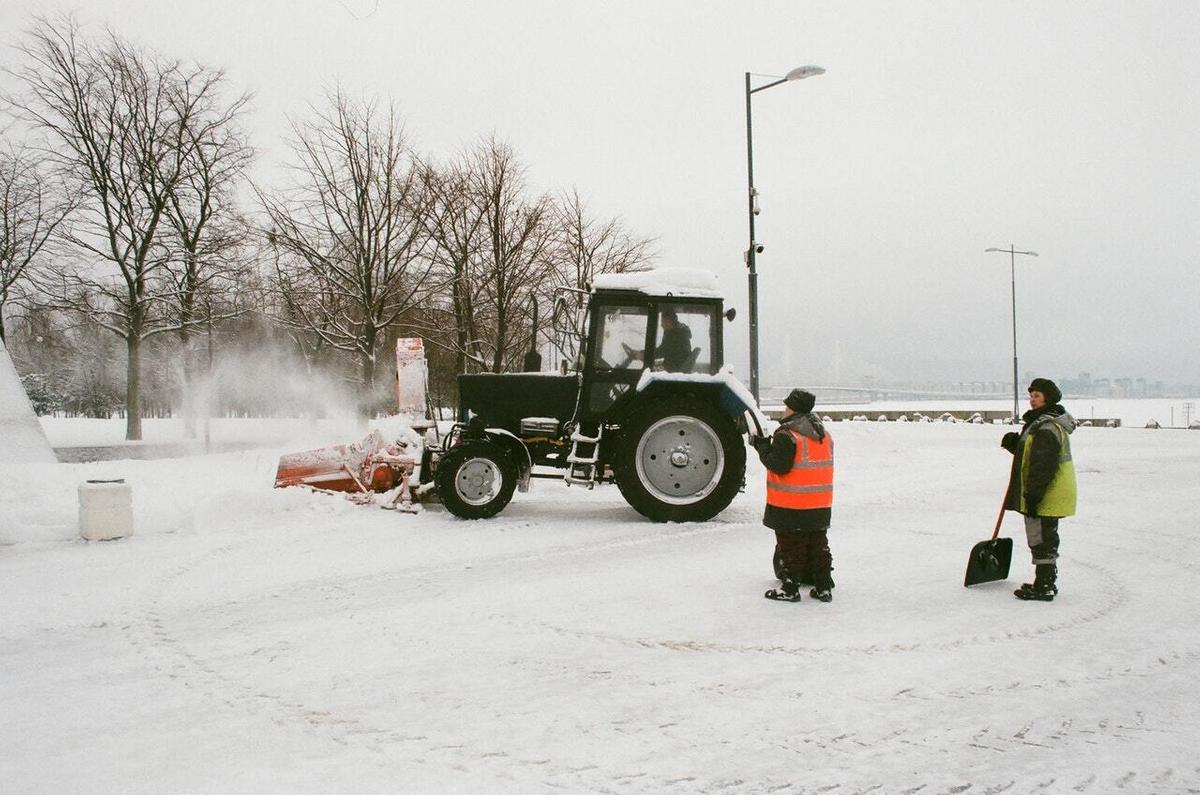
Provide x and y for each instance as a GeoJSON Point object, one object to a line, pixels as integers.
{"type": "Point", "coordinates": [105, 509]}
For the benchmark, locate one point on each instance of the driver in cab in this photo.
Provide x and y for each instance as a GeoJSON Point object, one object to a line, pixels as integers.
{"type": "Point", "coordinates": [675, 347]}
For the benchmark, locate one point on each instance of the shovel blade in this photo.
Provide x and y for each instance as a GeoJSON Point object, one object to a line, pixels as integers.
{"type": "Point", "coordinates": [989, 561]}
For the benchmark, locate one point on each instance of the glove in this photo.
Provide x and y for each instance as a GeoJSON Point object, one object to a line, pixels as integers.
{"type": "Point", "coordinates": [1032, 501]}
{"type": "Point", "coordinates": [760, 443]}
{"type": "Point", "coordinates": [1009, 441]}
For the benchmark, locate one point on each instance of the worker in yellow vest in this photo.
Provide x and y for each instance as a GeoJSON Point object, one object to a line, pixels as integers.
{"type": "Point", "coordinates": [1041, 484]}
{"type": "Point", "coordinates": [799, 462]}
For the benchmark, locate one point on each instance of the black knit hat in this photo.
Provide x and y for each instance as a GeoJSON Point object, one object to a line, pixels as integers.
{"type": "Point", "coordinates": [800, 401]}
{"type": "Point", "coordinates": [1048, 389]}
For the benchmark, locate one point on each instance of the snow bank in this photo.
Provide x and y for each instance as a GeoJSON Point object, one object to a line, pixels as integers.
{"type": "Point", "coordinates": [21, 437]}
{"type": "Point", "coordinates": [1130, 411]}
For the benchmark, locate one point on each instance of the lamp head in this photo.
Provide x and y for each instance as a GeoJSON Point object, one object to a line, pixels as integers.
{"type": "Point", "coordinates": [801, 72]}
{"type": "Point", "coordinates": [1009, 251]}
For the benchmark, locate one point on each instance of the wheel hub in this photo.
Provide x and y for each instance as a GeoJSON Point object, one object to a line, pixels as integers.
{"type": "Point", "coordinates": [679, 459]}
{"type": "Point", "coordinates": [476, 481]}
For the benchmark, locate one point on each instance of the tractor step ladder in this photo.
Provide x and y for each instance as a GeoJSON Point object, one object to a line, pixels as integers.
{"type": "Point", "coordinates": [584, 455]}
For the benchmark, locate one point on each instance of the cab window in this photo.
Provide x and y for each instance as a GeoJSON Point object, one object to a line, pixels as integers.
{"type": "Point", "coordinates": [620, 338]}
{"type": "Point", "coordinates": [684, 339]}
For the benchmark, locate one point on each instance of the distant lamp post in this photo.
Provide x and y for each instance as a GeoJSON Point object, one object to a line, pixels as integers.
{"type": "Point", "coordinates": [799, 73]}
{"type": "Point", "coordinates": [1012, 253]}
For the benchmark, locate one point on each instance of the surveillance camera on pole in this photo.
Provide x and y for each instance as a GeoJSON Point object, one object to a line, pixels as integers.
{"type": "Point", "coordinates": [799, 73]}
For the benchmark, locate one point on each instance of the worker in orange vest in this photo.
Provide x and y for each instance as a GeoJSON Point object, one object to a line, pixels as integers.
{"type": "Point", "coordinates": [799, 462]}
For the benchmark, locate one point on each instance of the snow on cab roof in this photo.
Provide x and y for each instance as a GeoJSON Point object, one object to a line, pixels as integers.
{"type": "Point", "coordinates": [684, 282]}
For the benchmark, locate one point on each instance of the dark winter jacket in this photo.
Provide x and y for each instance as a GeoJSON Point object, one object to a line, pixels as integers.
{"type": "Point", "coordinates": [777, 454]}
{"type": "Point", "coordinates": [1044, 457]}
{"type": "Point", "coordinates": [676, 347]}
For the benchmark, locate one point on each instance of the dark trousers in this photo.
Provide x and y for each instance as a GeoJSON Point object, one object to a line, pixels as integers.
{"type": "Point", "coordinates": [804, 554]}
{"type": "Point", "coordinates": [1042, 534]}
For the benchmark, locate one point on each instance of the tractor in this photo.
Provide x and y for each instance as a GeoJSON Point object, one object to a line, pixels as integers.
{"type": "Point", "coordinates": [648, 405]}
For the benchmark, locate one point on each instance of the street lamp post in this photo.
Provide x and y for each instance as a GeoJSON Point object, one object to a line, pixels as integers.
{"type": "Point", "coordinates": [798, 73]}
{"type": "Point", "coordinates": [1012, 253]}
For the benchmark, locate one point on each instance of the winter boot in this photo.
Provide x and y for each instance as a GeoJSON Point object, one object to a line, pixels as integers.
{"type": "Point", "coordinates": [1042, 573]}
{"type": "Point", "coordinates": [782, 573]}
{"type": "Point", "coordinates": [1044, 586]}
{"type": "Point", "coordinates": [789, 591]}
{"type": "Point", "coordinates": [822, 587]}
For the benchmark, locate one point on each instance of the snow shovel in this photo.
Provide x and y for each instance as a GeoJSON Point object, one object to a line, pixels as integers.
{"type": "Point", "coordinates": [990, 559]}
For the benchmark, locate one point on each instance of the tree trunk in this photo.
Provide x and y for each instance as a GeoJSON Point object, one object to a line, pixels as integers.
{"type": "Point", "coordinates": [370, 334]}
{"type": "Point", "coordinates": [460, 328]}
{"type": "Point", "coordinates": [133, 389]}
{"type": "Point", "coordinates": [187, 397]}
{"type": "Point", "coordinates": [501, 339]}
{"type": "Point", "coordinates": [208, 387]}
{"type": "Point", "coordinates": [368, 371]}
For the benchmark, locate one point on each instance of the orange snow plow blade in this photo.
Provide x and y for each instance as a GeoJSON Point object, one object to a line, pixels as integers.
{"type": "Point", "coordinates": [365, 467]}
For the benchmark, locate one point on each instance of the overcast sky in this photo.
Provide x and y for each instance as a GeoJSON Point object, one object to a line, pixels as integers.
{"type": "Point", "coordinates": [940, 129]}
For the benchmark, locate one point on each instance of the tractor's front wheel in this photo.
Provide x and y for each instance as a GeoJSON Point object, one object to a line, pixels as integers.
{"type": "Point", "coordinates": [476, 479]}
{"type": "Point", "coordinates": [679, 460]}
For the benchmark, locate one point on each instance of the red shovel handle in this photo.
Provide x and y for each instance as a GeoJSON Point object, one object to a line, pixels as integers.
{"type": "Point", "coordinates": [1000, 518]}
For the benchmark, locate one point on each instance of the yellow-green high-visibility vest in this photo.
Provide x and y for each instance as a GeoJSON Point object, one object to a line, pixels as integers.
{"type": "Point", "coordinates": [1059, 499]}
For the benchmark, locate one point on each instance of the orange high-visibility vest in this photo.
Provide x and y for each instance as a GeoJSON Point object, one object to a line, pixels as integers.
{"type": "Point", "coordinates": [809, 483]}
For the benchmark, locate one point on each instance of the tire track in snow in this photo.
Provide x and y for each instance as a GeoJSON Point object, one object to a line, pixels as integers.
{"type": "Point", "coordinates": [171, 659]}
{"type": "Point", "coordinates": [195, 672]}
{"type": "Point", "coordinates": [1111, 596]}
{"type": "Point", "coordinates": [635, 538]}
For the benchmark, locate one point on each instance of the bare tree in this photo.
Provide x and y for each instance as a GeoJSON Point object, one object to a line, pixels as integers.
{"type": "Point", "coordinates": [498, 247]}
{"type": "Point", "coordinates": [350, 233]}
{"type": "Point", "coordinates": [211, 237]}
{"type": "Point", "coordinates": [288, 292]}
{"type": "Point", "coordinates": [455, 224]}
{"type": "Point", "coordinates": [587, 247]}
{"type": "Point", "coordinates": [518, 236]}
{"type": "Point", "coordinates": [30, 213]}
{"type": "Point", "coordinates": [118, 121]}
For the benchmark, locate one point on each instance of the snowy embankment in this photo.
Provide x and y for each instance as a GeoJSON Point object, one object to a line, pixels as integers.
{"type": "Point", "coordinates": [1132, 413]}
{"type": "Point", "coordinates": [248, 639]}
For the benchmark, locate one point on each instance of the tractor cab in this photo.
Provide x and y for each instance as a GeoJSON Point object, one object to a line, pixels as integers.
{"type": "Point", "coordinates": [631, 330]}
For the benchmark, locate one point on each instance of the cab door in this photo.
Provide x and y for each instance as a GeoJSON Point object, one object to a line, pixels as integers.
{"type": "Point", "coordinates": [619, 338]}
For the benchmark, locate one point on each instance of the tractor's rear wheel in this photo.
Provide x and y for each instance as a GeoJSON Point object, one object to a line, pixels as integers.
{"type": "Point", "coordinates": [476, 479]}
{"type": "Point", "coordinates": [679, 460]}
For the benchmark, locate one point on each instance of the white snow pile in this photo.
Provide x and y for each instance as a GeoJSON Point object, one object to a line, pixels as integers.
{"type": "Point", "coordinates": [249, 639]}
{"type": "Point", "coordinates": [21, 436]}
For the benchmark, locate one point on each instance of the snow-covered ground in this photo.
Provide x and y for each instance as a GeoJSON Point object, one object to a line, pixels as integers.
{"type": "Point", "coordinates": [247, 639]}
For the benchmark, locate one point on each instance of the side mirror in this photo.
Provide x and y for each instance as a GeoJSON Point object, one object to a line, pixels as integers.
{"type": "Point", "coordinates": [730, 313]}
